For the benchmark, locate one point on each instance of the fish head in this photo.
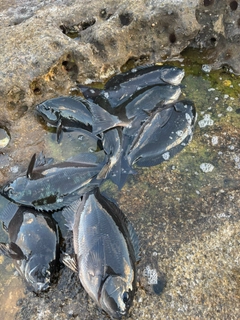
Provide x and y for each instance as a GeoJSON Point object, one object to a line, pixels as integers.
{"type": "Point", "coordinates": [172, 75]}
{"type": "Point", "coordinates": [37, 273]}
{"type": "Point", "coordinates": [116, 297]}
{"type": "Point", "coordinates": [49, 111]}
{"type": "Point", "coordinates": [14, 190]}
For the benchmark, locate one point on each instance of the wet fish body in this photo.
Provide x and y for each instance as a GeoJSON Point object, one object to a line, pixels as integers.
{"type": "Point", "coordinates": [106, 249]}
{"type": "Point", "coordinates": [51, 187]}
{"type": "Point", "coordinates": [164, 134]}
{"type": "Point", "coordinates": [33, 245]}
{"type": "Point", "coordinates": [112, 146]}
{"type": "Point", "coordinates": [148, 99]}
{"type": "Point", "coordinates": [66, 111]}
{"type": "Point", "coordinates": [77, 112]}
{"type": "Point", "coordinates": [146, 75]}
{"type": "Point", "coordinates": [121, 87]}
{"type": "Point", "coordinates": [142, 104]}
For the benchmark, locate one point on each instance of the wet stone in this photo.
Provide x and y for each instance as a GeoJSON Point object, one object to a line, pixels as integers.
{"type": "Point", "coordinates": [4, 138]}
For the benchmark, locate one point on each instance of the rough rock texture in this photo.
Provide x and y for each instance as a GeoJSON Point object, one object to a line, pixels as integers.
{"type": "Point", "coordinates": [220, 32]}
{"type": "Point", "coordinates": [109, 35]}
{"type": "Point", "coordinates": [187, 220]}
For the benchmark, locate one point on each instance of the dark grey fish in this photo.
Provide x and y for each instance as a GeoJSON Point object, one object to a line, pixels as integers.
{"type": "Point", "coordinates": [112, 146]}
{"type": "Point", "coordinates": [147, 75]}
{"type": "Point", "coordinates": [147, 99]}
{"type": "Point", "coordinates": [122, 86]}
{"type": "Point", "coordinates": [106, 249]}
{"type": "Point", "coordinates": [51, 187]}
{"type": "Point", "coordinates": [66, 112]}
{"type": "Point", "coordinates": [164, 134]}
{"type": "Point", "coordinates": [33, 245]}
{"type": "Point", "coordinates": [138, 109]}
{"type": "Point", "coordinates": [103, 120]}
{"type": "Point", "coordinates": [77, 112]}
{"type": "Point", "coordinates": [116, 168]}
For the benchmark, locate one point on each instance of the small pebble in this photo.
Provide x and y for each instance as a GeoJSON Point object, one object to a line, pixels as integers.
{"type": "Point", "coordinates": [166, 156]}
{"type": "Point", "coordinates": [206, 167]}
{"type": "Point", "coordinates": [14, 169]}
{"type": "Point", "coordinates": [206, 121]}
{"type": "Point", "coordinates": [214, 140]}
{"type": "Point", "coordinates": [227, 83]}
{"type": "Point", "coordinates": [4, 138]}
{"type": "Point", "coordinates": [206, 68]}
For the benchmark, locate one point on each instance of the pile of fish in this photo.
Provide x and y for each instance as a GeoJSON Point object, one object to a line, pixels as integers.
{"type": "Point", "coordinates": [136, 120]}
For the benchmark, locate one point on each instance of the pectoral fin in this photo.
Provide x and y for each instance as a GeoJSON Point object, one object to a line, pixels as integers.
{"type": "Point", "coordinates": [12, 250]}
{"type": "Point", "coordinates": [70, 262]}
{"type": "Point", "coordinates": [59, 130]}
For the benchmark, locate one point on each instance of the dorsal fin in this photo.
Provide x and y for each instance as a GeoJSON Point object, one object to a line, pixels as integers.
{"type": "Point", "coordinates": [31, 166]}
{"type": "Point", "coordinates": [134, 240]}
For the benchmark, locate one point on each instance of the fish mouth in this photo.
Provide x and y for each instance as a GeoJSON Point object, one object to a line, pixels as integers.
{"type": "Point", "coordinates": [7, 190]}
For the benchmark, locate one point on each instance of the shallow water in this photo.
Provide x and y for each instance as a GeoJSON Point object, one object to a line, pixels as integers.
{"type": "Point", "coordinates": [185, 211]}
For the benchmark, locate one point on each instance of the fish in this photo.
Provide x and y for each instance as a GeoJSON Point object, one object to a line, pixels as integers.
{"type": "Point", "coordinates": [137, 111]}
{"type": "Point", "coordinates": [122, 86]}
{"type": "Point", "coordinates": [166, 132]}
{"type": "Point", "coordinates": [139, 107]}
{"type": "Point", "coordinates": [131, 113]}
{"type": "Point", "coordinates": [104, 120]}
{"type": "Point", "coordinates": [112, 146]}
{"type": "Point", "coordinates": [77, 112]}
{"type": "Point", "coordinates": [116, 168]}
{"type": "Point", "coordinates": [147, 99]}
{"type": "Point", "coordinates": [64, 111]}
{"type": "Point", "coordinates": [52, 186]}
{"type": "Point", "coordinates": [147, 75]}
{"type": "Point", "coordinates": [106, 250]}
{"type": "Point", "coordinates": [33, 245]}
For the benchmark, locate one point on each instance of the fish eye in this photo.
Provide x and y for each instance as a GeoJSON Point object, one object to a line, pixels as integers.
{"type": "Point", "coordinates": [125, 297]}
{"type": "Point", "coordinates": [46, 107]}
{"type": "Point", "coordinates": [8, 189]}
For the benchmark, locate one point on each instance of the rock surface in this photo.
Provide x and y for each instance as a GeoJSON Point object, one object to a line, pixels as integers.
{"type": "Point", "coordinates": [187, 219]}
